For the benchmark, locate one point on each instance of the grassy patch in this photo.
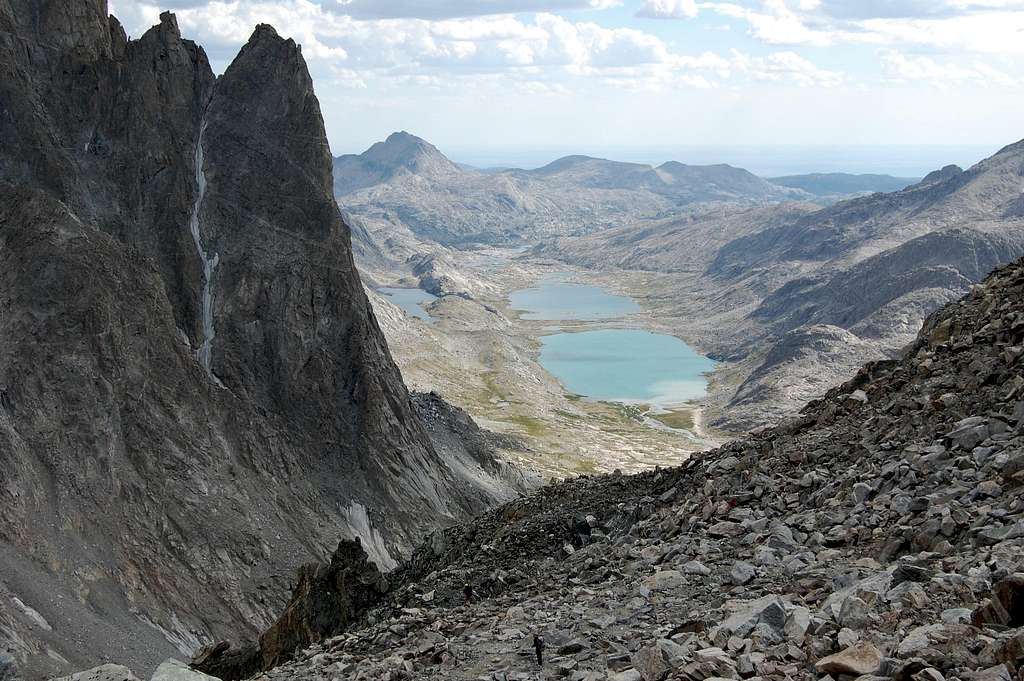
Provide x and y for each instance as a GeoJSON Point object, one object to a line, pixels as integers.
{"type": "Point", "coordinates": [585, 467]}
{"type": "Point", "coordinates": [680, 419]}
{"type": "Point", "coordinates": [533, 427]}
{"type": "Point", "coordinates": [491, 384]}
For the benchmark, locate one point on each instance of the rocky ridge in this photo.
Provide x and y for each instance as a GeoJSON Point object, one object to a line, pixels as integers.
{"type": "Point", "coordinates": [878, 535]}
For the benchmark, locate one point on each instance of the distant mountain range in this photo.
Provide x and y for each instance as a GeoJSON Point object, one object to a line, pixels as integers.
{"type": "Point", "coordinates": [406, 179]}
{"type": "Point", "coordinates": [407, 182]}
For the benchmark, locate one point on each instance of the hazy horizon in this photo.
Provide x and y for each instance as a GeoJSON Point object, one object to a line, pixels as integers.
{"type": "Point", "coordinates": [765, 160]}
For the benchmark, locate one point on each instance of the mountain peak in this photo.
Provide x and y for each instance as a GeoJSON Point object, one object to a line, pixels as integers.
{"type": "Point", "coordinates": [169, 21]}
{"type": "Point", "coordinates": [575, 160]}
{"type": "Point", "coordinates": [405, 150]}
{"type": "Point", "coordinates": [403, 137]}
{"type": "Point", "coordinates": [942, 174]}
{"type": "Point", "coordinates": [264, 31]}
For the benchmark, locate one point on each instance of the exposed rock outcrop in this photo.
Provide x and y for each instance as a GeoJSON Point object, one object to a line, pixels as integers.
{"type": "Point", "coordinates": [327, 599]}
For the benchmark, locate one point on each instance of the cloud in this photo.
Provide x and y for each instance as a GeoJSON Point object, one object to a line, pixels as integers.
{"type": "Point", "coordinates": [774, 22]}
{"type": "Point", "coordinates": [473, 44]}
{"type": "Point", "coordinates": [668, 9]}
{"type": "Point", "coordinates": [874, 9]}
{"type": "Point", "coordinates": [786, 67]}
{"type": "Point", "coordinates": [984, 26]}
{"type": "Point", "coordinates": [986, 33]}
{"type": "Point", "coordinates": [901, 68]}
{"type": "Point", "coordinates": [451, 9]}
{"type": "Point", "coordinates": [543, 53]}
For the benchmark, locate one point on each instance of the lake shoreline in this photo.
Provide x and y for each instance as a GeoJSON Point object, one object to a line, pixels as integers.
{"type": "Point", "coordinates": [582, 311]}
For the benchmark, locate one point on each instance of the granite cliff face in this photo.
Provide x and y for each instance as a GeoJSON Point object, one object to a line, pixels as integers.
{"type": "Point", "coordinates": [195, 397]}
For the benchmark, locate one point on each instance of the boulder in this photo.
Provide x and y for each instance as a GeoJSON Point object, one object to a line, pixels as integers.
{"type": "Point", "coordinates": [627, 675]}
{"type": "Point", "coordinates": [1011, 649]}
{"type": "Point", "coordinates": [1005, 607]}
{"type": "Point", "coordinates": [747, 615]}
{"type": "Point", "coordinates": [725, 529]}
{"type": "Point", "coordinates": [999, 672]}
{"type": "Point", "coordinates": [664, 580]}
{"type": "Point", "coordinates": [694, 567]}
{"type": "Point", "coordinates": [969, 433]}
{"type": "Point", "coordinates": [857, 660]}
{"type": "Point", "coordinates": [651, 663]}
{"type": "Point", "coordinates": [797, 624]}
{"type": "Point", "coordinates": [326, 599]}
{"type": "Point", "coordinates": [742, 573]}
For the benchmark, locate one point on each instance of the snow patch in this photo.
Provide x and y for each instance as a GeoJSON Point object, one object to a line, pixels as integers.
{"type": "Point", "coordinates": [32, 614]}
{"type": "Point", "coordinates": [369, 537]}
{"type": "Point", "coordinates": [209, 263]}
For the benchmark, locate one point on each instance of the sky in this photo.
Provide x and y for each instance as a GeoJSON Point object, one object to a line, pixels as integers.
{"type": "Point", "coordinates": [477, 75]}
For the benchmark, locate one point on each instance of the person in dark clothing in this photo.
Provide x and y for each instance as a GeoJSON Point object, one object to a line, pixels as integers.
{"type": "Point", "coordinates": [538, 646]}
{"type": "Point", "coordinates": [467, 591]}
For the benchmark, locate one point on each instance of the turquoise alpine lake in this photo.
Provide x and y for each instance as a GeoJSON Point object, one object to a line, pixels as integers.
{"type": "Point", "coordinates": [412, 300]}
{"type": "Point", "coordinates": [555, 299]}
{"type": "Point", "coordinates": [614, 365]}
{"type": "Point", "coordinates": [626, 365]}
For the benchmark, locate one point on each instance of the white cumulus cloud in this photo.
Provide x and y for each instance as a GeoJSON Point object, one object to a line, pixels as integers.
{"type": "Point", "coordinates": [903, 68]}
{"type": "Point", "coordinates": [669, 9]}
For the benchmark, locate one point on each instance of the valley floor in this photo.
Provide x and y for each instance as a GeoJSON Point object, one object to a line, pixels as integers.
{"type": "Point", "coordinates": [483, 356]}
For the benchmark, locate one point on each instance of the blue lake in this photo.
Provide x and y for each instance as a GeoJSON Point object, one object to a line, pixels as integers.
{"type": "Point", "coordinates": [616, 365]}
{"type": "Point", "coordinates": [626, 365]}
{"type": "Point", "coordinates": [412, 300]}
{"type": "Point", "coordinates": [555, 299]}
